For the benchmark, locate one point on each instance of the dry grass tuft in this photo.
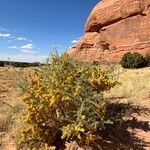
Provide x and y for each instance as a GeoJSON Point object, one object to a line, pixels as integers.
{"type": "Point", "coordinates": [134, 83]}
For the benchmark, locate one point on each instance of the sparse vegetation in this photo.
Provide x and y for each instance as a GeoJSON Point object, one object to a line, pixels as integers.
{"type": "Point", "coordinates": [147, 60]}
{"type": "Point", "coordinates": [18, 64]}
{"type": "Point", "coordinates": [134, 60]}
{"type": "Point", "coordinates": [118, 117]}
{"type": "Point", "coordinates": [10, 108]}
{"type": "Point", "coordinates": [134, 84]}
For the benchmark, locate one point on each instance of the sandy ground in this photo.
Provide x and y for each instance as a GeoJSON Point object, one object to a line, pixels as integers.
{"type": "Point", "coordinates": [8, 104]}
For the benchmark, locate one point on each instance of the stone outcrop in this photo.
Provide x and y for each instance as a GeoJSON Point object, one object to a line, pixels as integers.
{"type": "Point", "coordinates": [113, 28]}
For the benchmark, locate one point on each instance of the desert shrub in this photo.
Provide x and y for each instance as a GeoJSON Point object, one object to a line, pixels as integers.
{"type": "Point", "coordinates": [134, 60]}
{"type": "Point", "coordinates": [64, 102]}
{"type": "Point", "coordinates": [22, 64]}
{"type": "Point", "coordinates": [19, 64]}
{"type": "Point", "coordinates": [147, 60]}
{"type": "Point", "coordinates": [1, 63]}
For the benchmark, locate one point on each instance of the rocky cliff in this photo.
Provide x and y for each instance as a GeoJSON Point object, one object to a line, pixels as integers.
{"type": "Point", "coordinates": [113, 28]}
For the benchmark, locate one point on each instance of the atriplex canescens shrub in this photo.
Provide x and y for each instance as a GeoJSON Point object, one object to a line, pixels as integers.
{"type": "Point", "coordinates": [64, 102]}
{"type": "Point", "coordinates": [133, 60]}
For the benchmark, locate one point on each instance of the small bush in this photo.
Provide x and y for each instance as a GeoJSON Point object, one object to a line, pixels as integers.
{"type": "Point", "coordinates": [134, 60]}
{"type": "Point", "coordinates": [19, 64]}
{"type": "Point", "coordinates": [1, 64]}
{"type": "Point", "coordinates": [147, 60]}
{"type": "Point", "coordinates": [64, 102]}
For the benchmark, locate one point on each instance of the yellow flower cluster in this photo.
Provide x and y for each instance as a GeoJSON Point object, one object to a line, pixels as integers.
{"type": "Point", "coordinates": [72, 129]}
{"type": "Point", "coordinates": [100, 80]}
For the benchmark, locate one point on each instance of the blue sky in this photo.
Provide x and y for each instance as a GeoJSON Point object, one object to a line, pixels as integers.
{"type": "Point", "coordinates": [30, 29]}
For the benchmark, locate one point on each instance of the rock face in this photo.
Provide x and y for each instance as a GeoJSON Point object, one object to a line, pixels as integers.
{"type": "Point", "coordinates": [113, 28]}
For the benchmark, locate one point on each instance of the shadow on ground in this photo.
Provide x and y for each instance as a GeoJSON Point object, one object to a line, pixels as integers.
{"type": "Point", "coordinates": [122, 135]}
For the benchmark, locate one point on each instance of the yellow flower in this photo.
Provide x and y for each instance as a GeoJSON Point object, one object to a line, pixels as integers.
{"type": "Point", "coordinates": [66, 98]}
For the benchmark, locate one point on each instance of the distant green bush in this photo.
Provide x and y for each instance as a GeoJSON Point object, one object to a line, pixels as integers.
{"type": "Point", "coordinates": [18, 64]}
{"type": "Point", "coordinates": [1, 63]}
{"type": "Point", "coordinates": [133, 60]}
{"type": "Point", "coordinates": [147, 60]}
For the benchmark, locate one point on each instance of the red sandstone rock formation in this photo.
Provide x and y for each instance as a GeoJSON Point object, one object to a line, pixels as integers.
{"type": "Point", "coordinates": [113, 28]}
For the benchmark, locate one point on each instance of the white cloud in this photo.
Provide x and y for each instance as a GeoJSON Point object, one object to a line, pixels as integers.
{"type": "Point", "coordinates": [13, 47]}
{"type": "Point", "coordinates": [24, 57]}
{"type": "Point", "coordinates": [10, 36]}
{"type": "Point", "coordinates": [74, 41]}
{"type": "Point", "coordinates": [23, 39]}
{"type": "Point", "coordinates": [28, 51]}
{"type": "Point", "coordinates": [27, 46]}
{"type": "Point", "coordinates": [5, 35]}
{"type": "Point", "coordinates": [70, 47]}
